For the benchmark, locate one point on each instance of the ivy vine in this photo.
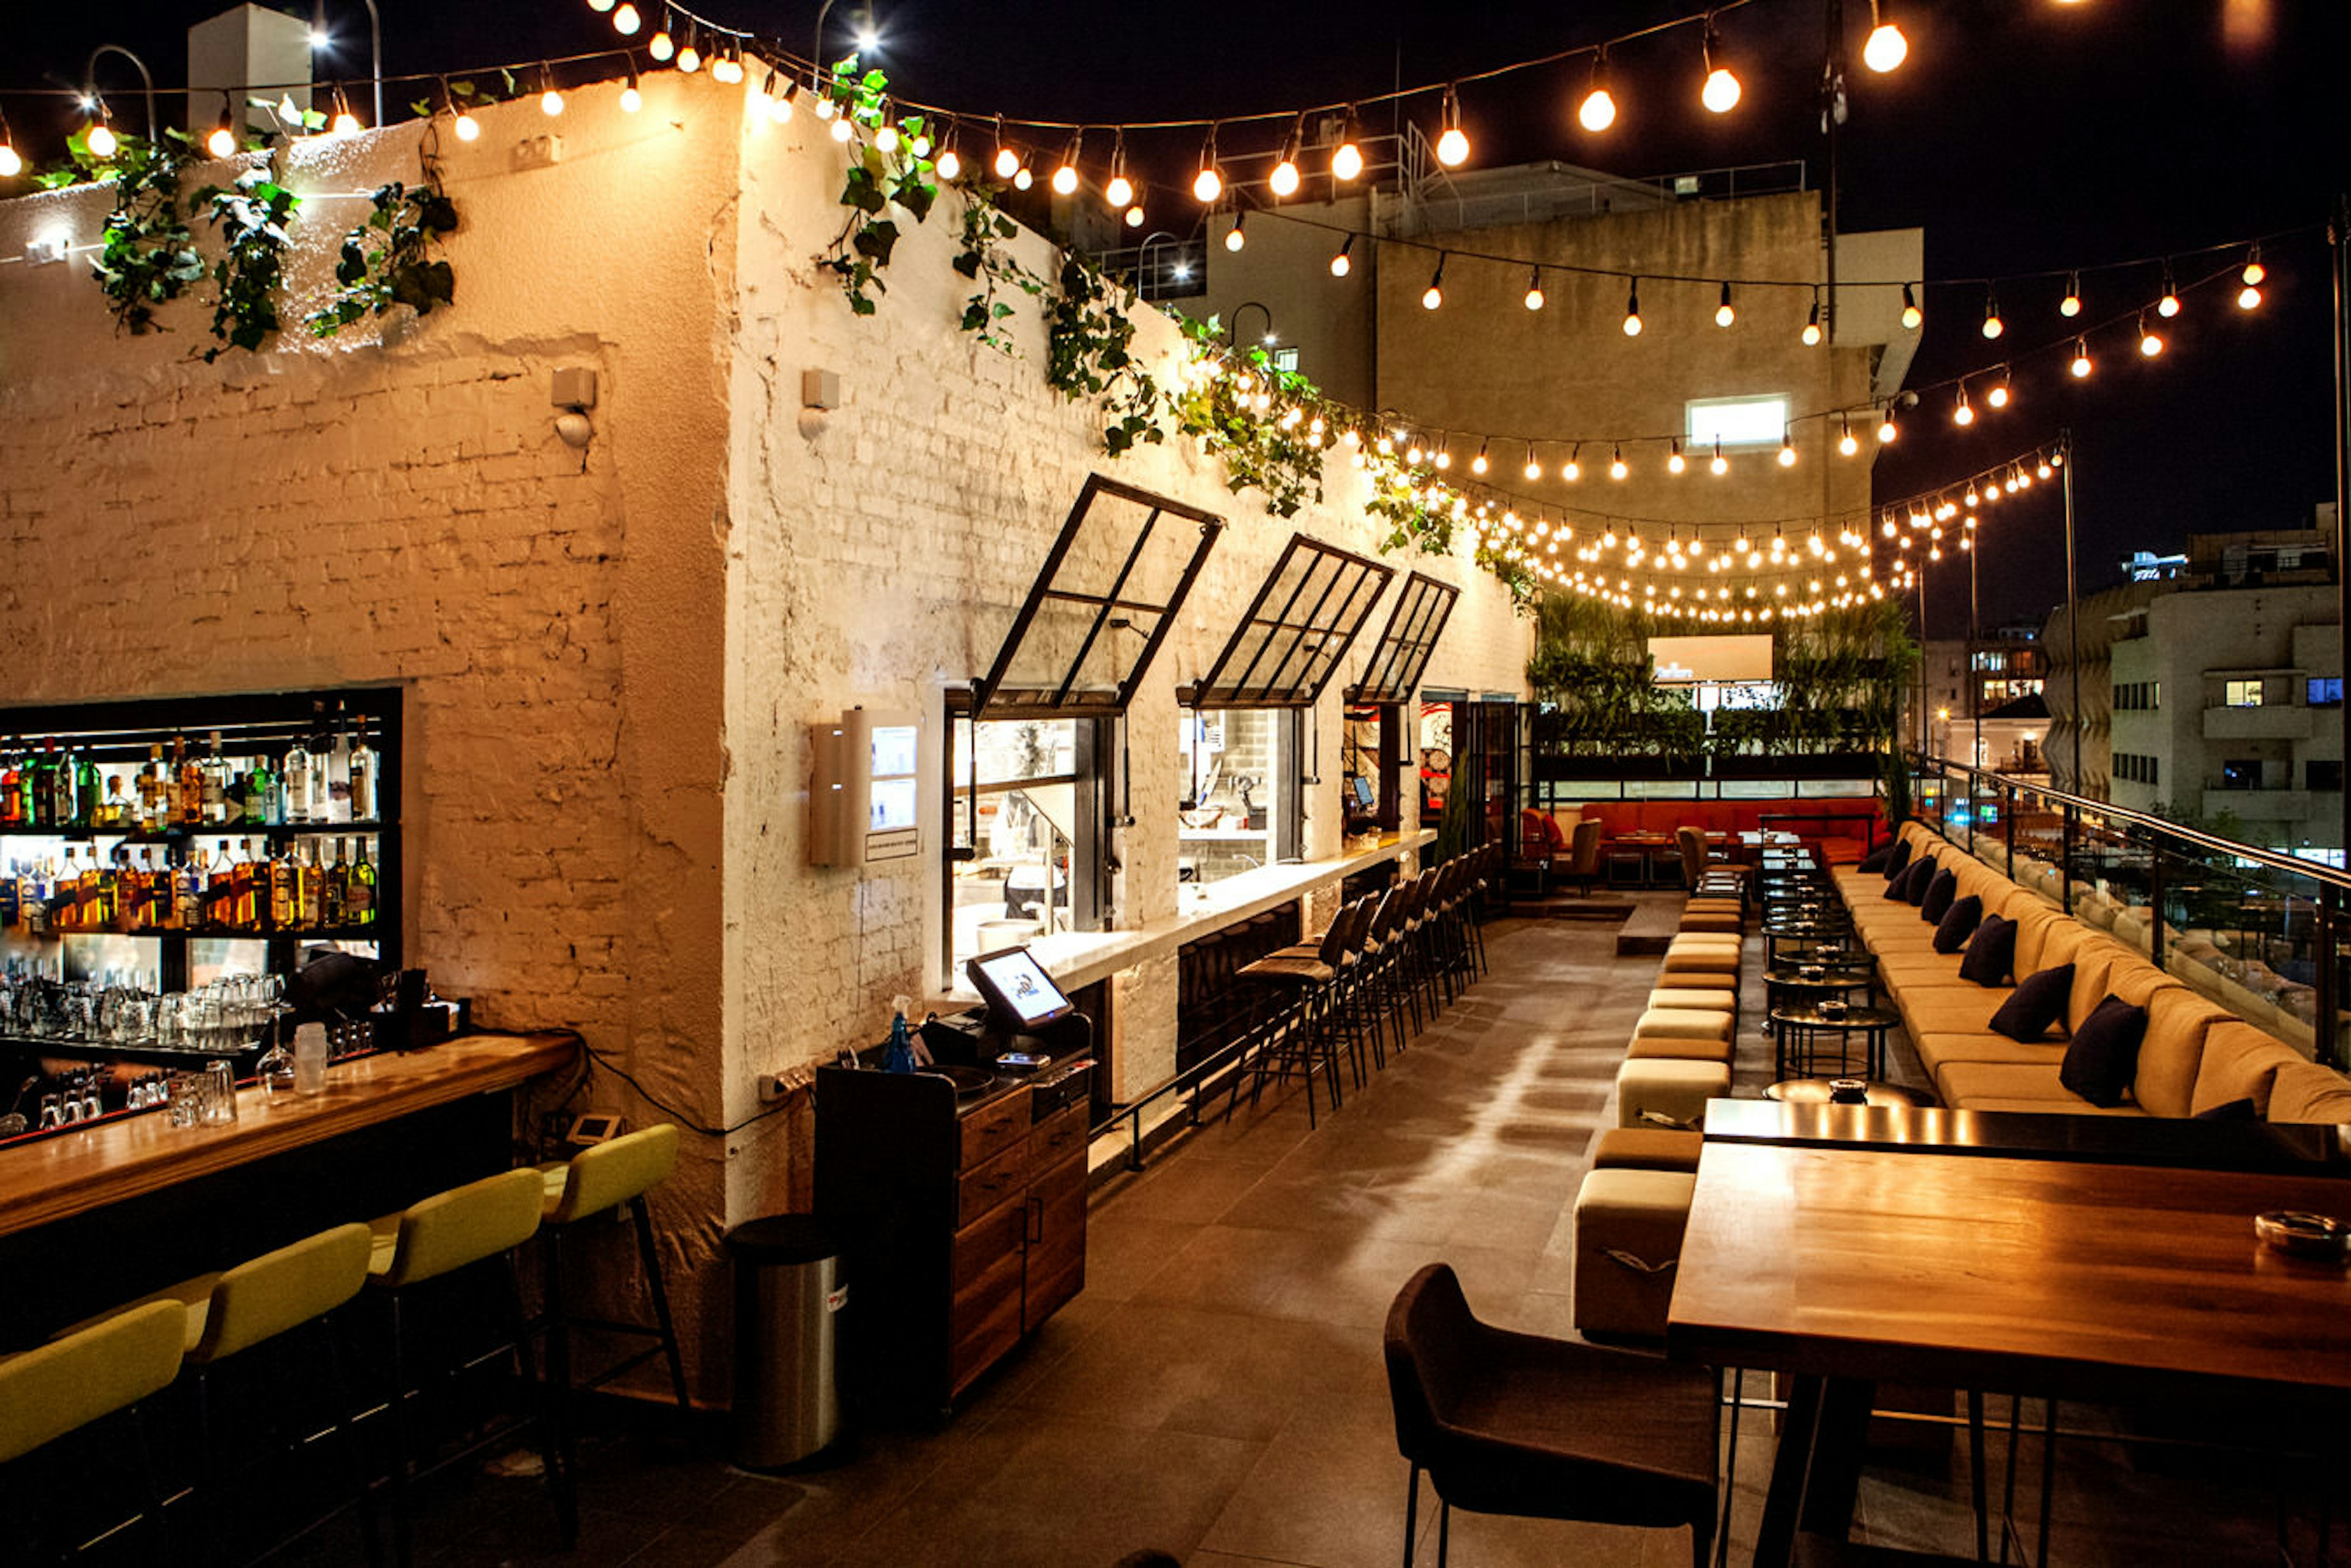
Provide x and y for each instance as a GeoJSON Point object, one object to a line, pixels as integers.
{"type": "Point", "coordinates": [1226, 414]}
{"type": "Point", "coordinates": [984, 260]}
{"type": "Point", "coordinates": [252, 215]}
{"type": "Point", "coordinates": [1090, 352]}
{"type": "Point", "coordinates": [387, 260]}
{"type": "Point", "coordinates": [146, 256]}
{"type": "Point", "coordinates": [887, 174]}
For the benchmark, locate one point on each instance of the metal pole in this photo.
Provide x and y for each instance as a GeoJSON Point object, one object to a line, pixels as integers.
{"type": "Point", "coordinates": [2072, 612]}
{"type": "Point", "coordinates": [375, 58]}
{"type": "Point", "coordinates": [1975, 679]}
{"type": "Point", "coordinates": [2338, 239]}
{"type": "Point", "coordinates": [89, 83]}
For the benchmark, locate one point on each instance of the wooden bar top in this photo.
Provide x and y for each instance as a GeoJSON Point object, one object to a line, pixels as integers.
{"type": "Point", "coordinates": [53, 1178]}
{"type": "Point", "coordinates": [2030, 1276]}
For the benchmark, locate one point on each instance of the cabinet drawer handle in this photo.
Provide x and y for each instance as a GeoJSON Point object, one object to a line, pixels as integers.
{"type": "Point", "coordinates": [1035, 1219]}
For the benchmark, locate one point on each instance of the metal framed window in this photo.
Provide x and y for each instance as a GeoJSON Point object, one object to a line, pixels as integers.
{"type": "Point", "coordinates": [1738, 421]}
{"type": "Point", "coordinates": [1296, 631]}
{"type": "Point", "coordinates": [1401, 656]}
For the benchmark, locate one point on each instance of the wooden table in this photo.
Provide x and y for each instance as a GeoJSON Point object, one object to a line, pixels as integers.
{"type": "Point", "coordinates": [1846, 1267]}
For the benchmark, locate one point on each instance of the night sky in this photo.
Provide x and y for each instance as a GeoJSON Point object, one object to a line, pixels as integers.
{"type": "Point", "coordinates": [2025, 135]}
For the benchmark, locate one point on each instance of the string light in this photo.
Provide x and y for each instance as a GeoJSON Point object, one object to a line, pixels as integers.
{"type": "Point", "coordinates": [468, 129]}
{"type": "Point", "coordinates": [1788, 448]}
{"type": "Point", "coordinates": [626, 20]}
{"type": "Point", "coordinates": [1886, 49]}
{"type": "Point", "coordinates": [1999, 395]}
{"type": "Point", "coordinates": [2149, 343]}
{"type": "Point", "coordinates": [1961, 414]}
{"type": "Point", "coordinates": [1065, 177]}
{"type": "Point", "coordinates": [728, 67]}
{"type": "Point", "coordinates": [2081, 362]}
{"type": "Point", "coordinates": [1720, 464]}
{"type": "Point", "coordinates": [1120, 191]}
{"type": "Point", "coordinates": [221, 143]}
{"type": "Point", "coordinates": [1911, 314]}
{"type": "Point", "coordinates": [1724, 313]}
{"type": "Point", "coordinates": [2168, 306]}
{"type": "Point", "coordinates": [1477, 465]}
{"type": "Point", "coordinates": [1434, 295]}
{"type": "Point", "coordinates": [1617, 467]}
{"type": "Point", "coordinates": [550, 100]}
{"type": "Point", "coordinates": [1633, 309]}
{"type": "Point", "coordinates": [885, 137]}
{"type": "Point", "coordinates": [1673, 464]}
{"type": "Point", "coordinates": [1341, 263]}
{"type": "Point", "coordinates": [1007, 157]}
{"type": "Point", "coordinates": [1992, 325]}
{"type": "Point", "coordinates": [1209, 184]}
{"type": "Point", "coordinates": [842, 131]}
{"type": "Point", "coordinates": [1453, 146]}
{"type": "Point", "coordinates": [1813, 322]}
{"type": "Point", "coordinates": [1284, 178]}
{"type": "Point", "coordinates": [632, 99]}
{"type": "Point", "coordinates": [1597, 112]}
{"type": "Point", "coordinates": [1572, 469]}
{"type": "Point", "coordinates": [662, 46]}
{"type": "Point", "coordinates": [1347, 158]}
{"type": "Point", "coordinates": [12, 163]}
{"type": "Point", "coordinates": [1534, 300]}
{"type": "Point", "coordinates": [689, 59]}
{"type": "Point", "coordinates": [2071, 306]}
{"type": "Point", "coordinates": [2249, 298]}
{"type": "Point", "coordinates": [1720, 93]}
{"type": "Point", "coordinates": [950, 162]}
{"type": "Point", "coordinates": [1234, 237]}
{"type": "Point", "coordinates": [1533, 469]}
{"type": "Point", "coordinates": [1846, 442]}
{"type": "Point", "coordinates": [346, 123]}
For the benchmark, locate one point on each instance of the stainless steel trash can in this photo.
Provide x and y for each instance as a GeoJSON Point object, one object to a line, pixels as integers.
{"type": "Point", "coordinates": [788, 1289]}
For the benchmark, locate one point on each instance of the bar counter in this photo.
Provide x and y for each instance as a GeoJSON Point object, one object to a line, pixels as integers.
{"type": "Point", "coordinates": [78, 1173]}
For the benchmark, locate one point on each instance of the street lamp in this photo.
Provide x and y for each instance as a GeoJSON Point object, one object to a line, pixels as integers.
{"type": "Point", "coordinates": [321, 40]}
{"type": "Point", "coordinates": [90, 81]}
{"type": "Point", "coordinates": [1233, 333]}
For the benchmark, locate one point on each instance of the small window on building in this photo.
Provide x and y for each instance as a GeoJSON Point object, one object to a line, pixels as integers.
{"type": "Point", "coordinates": [1286, 359]}
{"type": "Point", "coordinates": [2242, 773]}
{"type": "Point", "coordinates": [1738, 421]}
{"type": "Point", "coordinates": [2242, 694]}
{"type": "Point", "coordinates": [2327, 776]}
{"type": "Point", "coordinates": [2326, 691]}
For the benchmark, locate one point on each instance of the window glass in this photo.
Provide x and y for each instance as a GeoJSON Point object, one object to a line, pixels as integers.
{"type": "Point", "coordinates": [1026, 825]}
{"type": "Point", "coordinates": [2243, 694]}
{"type": "Point", "coordinates": [1239, 791]}
{"type": "Point", "coordinates": [1738, 421]}
{"type": "Point", "coordinates": [2326, 691]}
{"type": "Point", "coordinates": [2322, 775]}
{"type": "Point", "coordinates": [2241, 773]}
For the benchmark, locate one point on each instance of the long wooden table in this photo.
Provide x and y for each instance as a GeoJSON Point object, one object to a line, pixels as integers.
{"type": "Point", "coordinates": [79, 1172]}
{"type": "Point", "coordinates": [1849, 1266]}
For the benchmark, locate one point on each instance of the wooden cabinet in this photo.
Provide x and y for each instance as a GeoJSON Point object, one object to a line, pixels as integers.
{"type": "Point", "coordinates": [962, 1229]}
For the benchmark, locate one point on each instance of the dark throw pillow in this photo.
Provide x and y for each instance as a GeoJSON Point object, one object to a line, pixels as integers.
{"type": "Point", "coordinates": [1915, 880]}
{"type": "Point", "coordinates": [1991, 952]}
{"type": "Point", "coordinates": [2038, 1002]}
{"type": "Point", "coordinates": [1940, 890]}
{"type": "Point", "coordinates": [1900, 860]}
{"type": "Point", "coordinates": [2230, 1110]}
{"type": "Point", "coordinates": [1875, 859]}
{"type": "Point", "coordinates": [2103, 1058]}
{"type": "Point", "coordinates": [1958, 924]}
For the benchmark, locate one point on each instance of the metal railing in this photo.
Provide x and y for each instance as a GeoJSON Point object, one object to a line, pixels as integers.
{"type": "Point", "coordinates": [2259, 931]}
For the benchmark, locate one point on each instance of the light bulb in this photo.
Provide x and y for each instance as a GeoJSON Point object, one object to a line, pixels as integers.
{"type": "Point", "coordinates": [1811, 333]}
{"type": "Point", "coordinates": [662, 47]}
{"type": "Point", "coordinates": [1992, 325]}
{"type": "Point", "coordinates": [780, 107]}
{"type": "Point", "coordinates": [1911, 314]}
{"type": "Point", "coordinates": [101, 140]}
{"type": "Point", "coordinates": [599, 4]}
{"type": "Point", "coordinates": [1674, 462]}
{"type": "Point", "coordinates": [2168, 306]}
{"type": "Point", "coordinates": [1534, 289]}
{"type": "Point", "coordinates": [1570, 470]}
{"type": "Point", "coordinates": [1617, 467]}
{"type": "Point", "coordinates": [1208, 184]}
{"type": "Point", "coordinates": [346, 123]}
{"type": "Point", "coordinates": [1234, 237]}
{"type": "Point", "coordinates": [468, 128]}
{"type": "Point", "coordinates": [1720, 93]}
{"type": "Point", "coordinates": [1632, 310]}
{"type": "Point", "coordinates": [221, 143]}
{"type": "Point", "coordinates": [2249, 298]}
{"type": "Point", "coordinates": [689, 59]}
{"type": "Point", "coordinates": [1886, 49]}
{"type": "Point", "coordinates": [950, 163]}
{"type": "Point", "coordinates": [2149, 343]}
{"type": "Point", "coordinates": [1718, 464]}
{"type": "Point", "coordinates": [1597, 112]}
{"type": "Point", "coordinates": [842, 130]}
{"type": "Point", "coordinates": [1961, 414]}
{"type": "Point", "coordinates": [1846, 443]}
{"type": "Point", "coordinates": [1887, 430]}
{"type": "Point", "coordinates": [1065, 182]}
{"type": "Point", "coordinates": [11, 162]}
{"type": "Point", "coordinates": [1724, 313]}
{"type": "Point", "coordinates": [1341, 264]}
{"type": "Point", "coordinates": [1348, 161]}
{"type": "Point", "coordinates": [1533, 469]}
{"type": "Point", "coordinates": [2071, 306]}
{"type": "Point", "coordinates": [727, 69]}
{"type": "Point", "coordinates": [1134, 215]}
{"type": "Point", "coordinates": [1998, 396]}
{"type": "Point", "coordinates": [1453, 148]}
{"type": "Point", "coordinates": [1787, 452]}
{"type": "Point", "coordinates": [1008, 162]}
{"type": "Point", "coordinates": [1479, 465]}
{"type": "Point", "coordinates": [1433, 296]}
{"type": "Point", "coordinates": [626, 21]}
{"type": "Point", "coordinates": [1120, 192]}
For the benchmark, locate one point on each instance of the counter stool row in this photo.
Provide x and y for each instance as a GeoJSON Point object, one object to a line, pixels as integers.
{"type": "Point", "coordinates": [191, 1333]}
{"type": "Point", "coordinates": [1404, 953]}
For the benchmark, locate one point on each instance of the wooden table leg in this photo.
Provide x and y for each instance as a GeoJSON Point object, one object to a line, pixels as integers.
{"type": "Point", "coordinates": [1817, 1469]}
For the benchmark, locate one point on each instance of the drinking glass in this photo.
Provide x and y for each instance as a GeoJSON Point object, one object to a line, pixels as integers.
{"type": "Point", "coordinates": [184, 1093]}
{"type": "Point", "coordinates": [220, 1094]}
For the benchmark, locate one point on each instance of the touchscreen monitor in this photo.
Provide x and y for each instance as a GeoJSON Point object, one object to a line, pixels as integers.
{"type": "Point", "coordinates": [1018, 988]}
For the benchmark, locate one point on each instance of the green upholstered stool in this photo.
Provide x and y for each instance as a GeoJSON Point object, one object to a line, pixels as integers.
{"type": "Point", "coordinates": [430, 1240]}
{"type": "Point", "coordinates": [607, 1179]}
{"type": "Point", "coordinates": [86, 1376]}
{"type": "Point", "coordinates": [1667, 1094]}
{"type": "Point", "coordinates": [1629, 1225]}
{"type": "Point", "coordinates": [1646, 1149]}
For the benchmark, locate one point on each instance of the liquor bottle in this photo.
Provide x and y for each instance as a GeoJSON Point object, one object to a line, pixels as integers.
{"type": "Point", "coordinates": [296, 781]}
{"type": "Point", "coordinates": [285, 892]}
{"type": "Point", "coordinates": [88, 906]}
{"type": "Point", "coordinates": [359, 902]}
{"type": "Point", "coordinates": [339, 768]}
{"type": "Point", "coordinates": [151, 790]}
{"type": "Point", "coordinates": [363, 775]}
{"type": "Point", "coordinates": [309, 899]}
{"type": "Point", "coordinates": [322, 746]}
{"type": "Point", "coordinates": [114, 810]}
{"type": "Point", "coordinates": [214, 772]}
{"type": "Point", "coordinates": [194, 881]}
{"type": "Point", "coordinates": [65, 809]}
{"type": "Point", "coordinates": [189, 785]}
{"type": "Point", "coordinates": [109, 891]}
{"type": "Point", "coordinates": [244, 910]}
{"type": "Point", "coordinates": [87, 796]}
{"type": "Point", "coordinates": [220, 889]}
{"type": "Point", "coordinates": [12, 792]}
{"type": "Point", "coordinates": [336, 886]}
{"type": "Point", "coordinates": [12, 909]}
{"type": "Point", "coordinates": [164, 895]}
{"type": "Point", "coordinates": [261, 793]}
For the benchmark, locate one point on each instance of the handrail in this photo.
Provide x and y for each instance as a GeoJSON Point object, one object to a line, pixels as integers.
{"type": "Point", "coordinates": [2318, 871]}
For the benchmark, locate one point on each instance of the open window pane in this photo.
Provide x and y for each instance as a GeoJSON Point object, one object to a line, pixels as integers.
{"type": "Point", "coordinates": [1299, 627]}
{"type": "Point", "coordinates": [1401, 656]}
{"type": "Point", "coordinates": [1103, 601]}
{"type": "Point", "coordinates": [1029, 826]}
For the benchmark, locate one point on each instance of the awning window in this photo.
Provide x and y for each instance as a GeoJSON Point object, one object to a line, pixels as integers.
{"type": "Point", "coordinates": [1298, 628]}
{"type": "Point", "coordinates": [1401, 656]}
{"type": "Point", "coordinates": [1102, 603]}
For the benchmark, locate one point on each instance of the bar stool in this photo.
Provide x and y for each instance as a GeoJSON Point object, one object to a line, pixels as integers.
{"type": "Point", "coordinates": [432, 1240]}
{"type": "Point", "coordinates": [83, 1377]}
{"type": "Point", "coordinates": [604, 1180]}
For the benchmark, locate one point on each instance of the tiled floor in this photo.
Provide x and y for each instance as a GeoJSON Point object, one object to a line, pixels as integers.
{"type": "Point", "coordinates": [1217, 1392]}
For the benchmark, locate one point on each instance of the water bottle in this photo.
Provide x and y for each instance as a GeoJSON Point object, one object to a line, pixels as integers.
{"type": "Point", "coordinates": [898, 1056]}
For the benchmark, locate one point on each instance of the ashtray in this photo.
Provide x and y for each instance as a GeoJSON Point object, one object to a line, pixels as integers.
{"type": "Point", "coordinates": [1831, 1008]}
{"type": "Point", "coordinates": [1812, 971]}
{"type": "Point", "coordinates": [2301, 1235]}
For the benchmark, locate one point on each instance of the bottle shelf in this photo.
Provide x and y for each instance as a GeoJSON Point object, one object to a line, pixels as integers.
{"type": "Point", "coordinates": [134, 837]}
{"type": "Point", "coordinates": [372, 932]}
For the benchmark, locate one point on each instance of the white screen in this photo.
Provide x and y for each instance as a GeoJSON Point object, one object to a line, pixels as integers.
{"type": "Point", "coordinates": [1024, 984]}
{"type": "Point", "coordinates": [893, 750]}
